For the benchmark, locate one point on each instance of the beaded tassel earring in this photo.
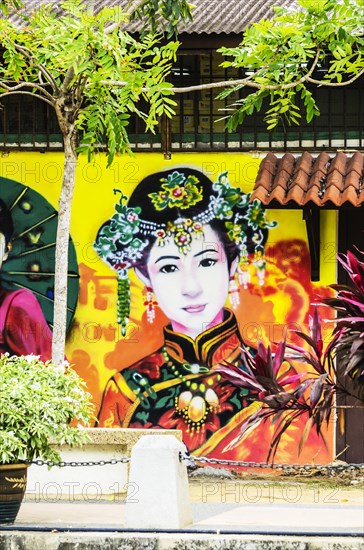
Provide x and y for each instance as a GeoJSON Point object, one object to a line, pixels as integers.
{"type": "Point", "coordinates": [123, 305]}
{"type": "Point", "coordinates": [150, 304]}
{"type": "Point", "coordinates": [234, 293]}
{"type": "Point", "coordinates": [243, 269]}
{"type": "Point", "coordinates": [260, 264]}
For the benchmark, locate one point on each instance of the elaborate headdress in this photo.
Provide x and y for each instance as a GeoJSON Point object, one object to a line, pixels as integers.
{"type": "Point", "coordinates": [122, 240]}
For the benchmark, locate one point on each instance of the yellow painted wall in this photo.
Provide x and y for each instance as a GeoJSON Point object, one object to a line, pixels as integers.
{"type": "Point", "coordinates": [95, 345]}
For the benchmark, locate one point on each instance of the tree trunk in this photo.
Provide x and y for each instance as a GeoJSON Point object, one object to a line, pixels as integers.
{"type": "Point", "coordinates": [61, 267]}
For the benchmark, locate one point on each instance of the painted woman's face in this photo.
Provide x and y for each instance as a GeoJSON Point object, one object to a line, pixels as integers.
{"type": "Point", "coordinates": [191, 288]}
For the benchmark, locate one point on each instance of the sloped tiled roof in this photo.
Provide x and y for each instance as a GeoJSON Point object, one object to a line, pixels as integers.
{"type": "Point", "coordinates": [209, 16]}
{"type": "Point", "coordinates": [229, 16]}
{"type": "Point", "coordinates": [323, 180]}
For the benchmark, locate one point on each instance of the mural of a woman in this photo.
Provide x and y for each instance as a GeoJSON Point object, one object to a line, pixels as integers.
{"type": "Point", "coordinates": [186, 238]}
{"type": "Point", "coordinates": [23, 328]}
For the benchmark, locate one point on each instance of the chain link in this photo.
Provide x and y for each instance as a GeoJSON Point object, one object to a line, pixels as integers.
{"type": "Point", "coordinates": [285, 467]}
{"type": "Point", "coordinates": [74, 463]}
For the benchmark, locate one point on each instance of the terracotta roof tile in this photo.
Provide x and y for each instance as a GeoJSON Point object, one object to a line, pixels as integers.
{"type": "Point", "coordinates": [260, 194]}
{"type": "Point", "coordinates": [296, 194]}
{"type": "Point", "coordinates": [323, 180]}
{"type": "Point", "coordinates": [266, 181]}
{"type": "Point", "coordinates": [319, 169]}
{"type": "Point", "coordinates": [305, 163]}
{"type": "Point", "coordinates": [361, 197]}
{"type": "Point", "coordinates": [338, 164]}
{"type": "Point", "coordinates": [301, 179]}
{"type": "Point", "coordinates": [333, 195]}
{"type": "Point", "coordinates": [356, 163]}
{"type": "Point", "coordinates": [282, 179]}
{"type": "Point", "coordinates": [287, 164]}
{"type": "Point", "coordinates": [269, 163]}
{"type": "Point", "coordinates": [350, 195]}
{"type": "Point", "coordinates": [322, 163]}
{"type": "Point", "coordinates": [351, 180]}
{"type": "Point", "coordinates": [316, 180]}
{"type": "Point", "coordinates": [313, 196]}
{"type": "Point", "coordinates": [267, 171]}
{"type": "Point", "coordinates": [278, 194]}
{"type": "Point", "coordinates": [335, 178]}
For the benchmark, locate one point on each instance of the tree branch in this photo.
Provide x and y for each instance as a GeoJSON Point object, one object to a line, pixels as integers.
{"type": "Point", "coordinates": [47, 75]}
{"type": "Point", "coordinates": [133, 5]}
{"type": "Point", "coordinates": [250, 83]}
{"type": "Point", "coordinates": [214, 85]}
{"type": "Point", "coordinates": [67, 79]}
{"type": "Point", "coordinates": [327, 83]}
{"type": "Point", "coordinates": [18, 87]}
{"type": "Point", "coordinates": [229, 83]}
{"type": "Point", "coordinates": [80, 86]}
{"type": "Point", "coordinates": [3, 94]}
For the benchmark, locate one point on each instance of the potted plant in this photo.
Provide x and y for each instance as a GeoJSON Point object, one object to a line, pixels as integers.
{"type": "Point", "coordinates": [40, 406]}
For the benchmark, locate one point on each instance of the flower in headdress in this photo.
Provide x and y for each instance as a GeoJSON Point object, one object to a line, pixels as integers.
{"type": "Point", "coordinates": [197, 229]}
{"type": "Point", "coordinates": [181, 231]}
{"type": "Point", "coordinates": [121, 230]}
{"type": "Point", "coordinates": [105, 247]}
{"type": "Point", "coordinates": [161, 236]}
{"type": "Point", "coordinates": [177, 191]}
{"type": "Point", "coordinates": [183, 239]}
{"type": "Point", "coordinates": [235, 232]}
{"type": "Point", "coordinates": [228, 198]}
{"type": "Point", "coordinates": [125, 223]}
{"type": "Point", "coordinates": [256, 216]}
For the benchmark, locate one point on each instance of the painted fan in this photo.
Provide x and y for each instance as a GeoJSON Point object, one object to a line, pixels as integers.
{"type": "Point", "coordinates": [31, 261]}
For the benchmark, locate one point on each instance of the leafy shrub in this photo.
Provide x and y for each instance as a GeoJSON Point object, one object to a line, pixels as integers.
{"type": "Point", "coordinates": [38, 403]}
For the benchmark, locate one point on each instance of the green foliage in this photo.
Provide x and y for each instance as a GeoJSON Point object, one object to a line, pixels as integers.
{"type": "Point", "coordinates": [12, 4]}
{"type": "Point", "coordinates": [243, 107]}
{"type": "Point", "coordinates": [160, 15]}
{"type": "Point", "coordinates": [38, 402]}
{"type": "Point", "coordinates": [95, 75]}
{"type": "Point", "coordinates": [320, 43]}
{"type": "Point", "coordinates": [146, 68]}
{"type": "Point", "coordinates": [73, 57]}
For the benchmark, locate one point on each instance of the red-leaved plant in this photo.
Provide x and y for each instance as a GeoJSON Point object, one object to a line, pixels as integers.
{"type": "Point", "coordinates": [287, 395]}
{"type": "Point", "coordinates": [348, 335]}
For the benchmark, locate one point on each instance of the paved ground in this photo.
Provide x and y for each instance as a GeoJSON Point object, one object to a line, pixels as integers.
{"type": "Point", "coordinates": [226, 513]}
{"type": "Point", "coordinates": [217, 516]}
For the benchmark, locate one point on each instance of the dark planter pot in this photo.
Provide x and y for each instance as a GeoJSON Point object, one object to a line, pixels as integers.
{"type": "Point", "coordinates": [13, 481]}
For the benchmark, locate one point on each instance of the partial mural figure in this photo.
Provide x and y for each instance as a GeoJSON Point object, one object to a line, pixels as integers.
{"type": "Point", "coordinates": [193, 243]}
{"type": "Point", "coordinates": [27, 243]}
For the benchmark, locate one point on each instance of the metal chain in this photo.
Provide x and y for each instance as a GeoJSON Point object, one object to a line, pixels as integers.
{"type": "Point", "coordinates": [63, 464]}
{"type": "Point", "coordinates": [204, 460]}
{"type": "Point", "coordinates": [284, 467]}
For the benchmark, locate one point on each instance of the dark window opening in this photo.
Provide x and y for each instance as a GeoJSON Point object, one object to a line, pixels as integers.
{"type": "Point", "coordinates": [199, 125]}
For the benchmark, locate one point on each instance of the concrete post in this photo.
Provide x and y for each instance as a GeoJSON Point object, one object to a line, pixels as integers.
{"type": "Point", "coordinates": [158, 496]}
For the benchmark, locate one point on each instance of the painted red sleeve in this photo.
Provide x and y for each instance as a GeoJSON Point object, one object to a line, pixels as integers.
{"type": "Point", "coordinates": [26, 330]}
